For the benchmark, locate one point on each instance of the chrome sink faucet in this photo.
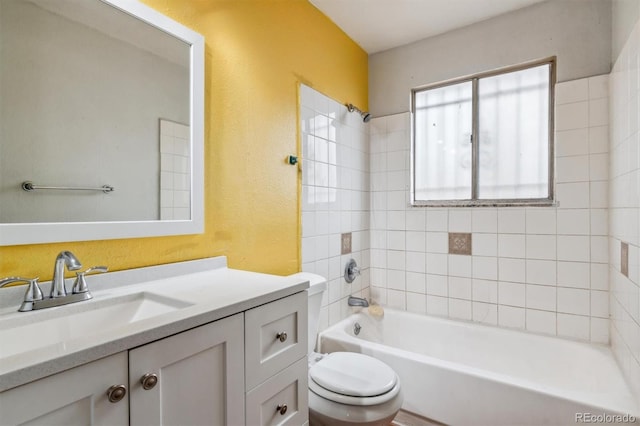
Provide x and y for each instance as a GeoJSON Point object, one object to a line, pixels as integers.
{"type": "Point", "coordinates": [72, 263]}
{"type": "Point", "coordinates": [33, 299]}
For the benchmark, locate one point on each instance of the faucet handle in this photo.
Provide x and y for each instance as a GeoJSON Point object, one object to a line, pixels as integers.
{"type": "Point", "coordinates": [95, 269]}
{"type": "Point", "coordinates": [32, 294]}
{"type": "Point", "coordinates": [351, 271]}
{"type": "Point", "coordinates": [10, 280]}
{"type": "Point", "coordinates": [80, 284]}
{"type": "Point", "coordinates": [33, 291]}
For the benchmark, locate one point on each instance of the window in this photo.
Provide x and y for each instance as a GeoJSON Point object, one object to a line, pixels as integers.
{"type": "Point", "coordinates": [485, 139]}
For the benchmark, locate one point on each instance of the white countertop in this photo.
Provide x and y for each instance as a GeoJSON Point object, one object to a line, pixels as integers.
{"type": "Point", "coordinates": [214, 291]}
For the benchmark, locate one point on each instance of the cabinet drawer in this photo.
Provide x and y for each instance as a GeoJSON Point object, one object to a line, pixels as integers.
{"type": "Point", "coordinates": [267, 350]}
{"type": "Point", "coordinates": [288, 388]}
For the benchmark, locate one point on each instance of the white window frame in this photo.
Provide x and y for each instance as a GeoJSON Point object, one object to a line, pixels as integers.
{"type": "Point", "coordinates": [474, 201]}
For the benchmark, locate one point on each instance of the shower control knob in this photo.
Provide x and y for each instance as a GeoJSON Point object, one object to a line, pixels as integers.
{"type": "Point", "coordinates": [282, 336]}
{"type": "Point", "coordinates": [149, 381]}
{"type": "Point", "coordinates": [116, 392]}
{"type": "Point", "coordinates": [351, 271]}
{"type": "Point", "coordinates": [282, 409]}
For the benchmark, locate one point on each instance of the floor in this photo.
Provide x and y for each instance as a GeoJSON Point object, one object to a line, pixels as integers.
{"type": "Point", "coordinates": [404, 418]}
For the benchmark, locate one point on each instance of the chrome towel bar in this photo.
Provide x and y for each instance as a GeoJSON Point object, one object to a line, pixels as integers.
{"type": "Point", "coordinates": [30, 186]}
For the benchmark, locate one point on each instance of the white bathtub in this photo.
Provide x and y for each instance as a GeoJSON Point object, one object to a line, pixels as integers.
{"type": "Point", "coordinates": [468, 374]}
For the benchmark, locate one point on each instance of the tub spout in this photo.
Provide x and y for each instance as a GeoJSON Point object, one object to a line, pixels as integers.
{"type": "Point", "coordinates": [357, 301]}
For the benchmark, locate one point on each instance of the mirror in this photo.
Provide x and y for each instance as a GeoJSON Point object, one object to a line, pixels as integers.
{"type": "Point", "coordinates": [101, 122]}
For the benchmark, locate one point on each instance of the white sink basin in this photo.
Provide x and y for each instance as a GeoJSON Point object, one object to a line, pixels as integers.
{"type": "Point", "coordinates": [26, 331]}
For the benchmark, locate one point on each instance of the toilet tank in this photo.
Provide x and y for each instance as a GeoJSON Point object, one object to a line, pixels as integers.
{"type": "Point", "coordinates": [317, 286]}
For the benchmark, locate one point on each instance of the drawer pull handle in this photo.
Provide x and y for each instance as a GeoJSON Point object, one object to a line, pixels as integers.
{"type": "Point", "coordinates": [116, 392]}
{"type": "Point", "coordinates": [282, 336]}
{"type": "Point", "coordinates": [149, 381]}
{"type": "Point", "coordinates": [282, 409]}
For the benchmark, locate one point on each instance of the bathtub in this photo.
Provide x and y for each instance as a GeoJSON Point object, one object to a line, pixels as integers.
{"type": "Point", "coordinates": [462, 373]}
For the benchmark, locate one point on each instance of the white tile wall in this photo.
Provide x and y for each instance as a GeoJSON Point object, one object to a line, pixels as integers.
{"type": "Point", "coordinates": [175, 176]}
{"type": "Point", "coordinates": [539, 269]}
{"type": "Point", "coordinates": [335, 198]}
{"type": "Point", "coordinates": [624, 213]}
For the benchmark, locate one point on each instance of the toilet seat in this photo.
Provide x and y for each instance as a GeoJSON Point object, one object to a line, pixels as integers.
{"type": "Point", "coordinates": [353, 379]}
{"type": "Point", "coordinates": [353, 400]}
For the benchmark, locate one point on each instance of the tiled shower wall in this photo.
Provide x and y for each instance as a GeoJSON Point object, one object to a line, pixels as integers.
{"type": "Point", "coordinates": [540, 269]}
{"type": "Point", "coordinates": [175, 177]}
{"type": "Point", "coordinates": [625, 207]}
{"type": "Point", "coordinates": [335, 198]}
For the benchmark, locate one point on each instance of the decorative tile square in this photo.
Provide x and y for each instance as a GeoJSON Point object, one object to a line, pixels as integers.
{"type": "Point", "coordinates": [624, 259]}
{"type": "Point", "coordinates": [460, 243]}
{"type": "Point", "coordinates": [345, 243]}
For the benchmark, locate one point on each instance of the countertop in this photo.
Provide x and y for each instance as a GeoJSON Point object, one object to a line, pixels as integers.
{"type": "Point", "coordinates": [214, 290]}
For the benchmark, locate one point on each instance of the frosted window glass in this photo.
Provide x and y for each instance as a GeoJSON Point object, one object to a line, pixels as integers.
{"type": "Point", "coordinates": [442, 150]}
{"type": "Point", "coordinates": [513, 157]}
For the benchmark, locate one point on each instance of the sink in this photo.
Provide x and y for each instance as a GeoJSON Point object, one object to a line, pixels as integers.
{"type": "Point", "coordinates": [24, 332]}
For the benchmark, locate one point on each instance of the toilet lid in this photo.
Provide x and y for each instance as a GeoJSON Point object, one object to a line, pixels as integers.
{"type": "Point", "coordinates": [353, 374]}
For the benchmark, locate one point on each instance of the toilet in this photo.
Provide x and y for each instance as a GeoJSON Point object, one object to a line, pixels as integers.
{"type": "Point", "coordinates": [346, 388]}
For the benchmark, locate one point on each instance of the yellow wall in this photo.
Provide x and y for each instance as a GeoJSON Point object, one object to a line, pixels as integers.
{"type": "Point", "coordinates": [257, 53]}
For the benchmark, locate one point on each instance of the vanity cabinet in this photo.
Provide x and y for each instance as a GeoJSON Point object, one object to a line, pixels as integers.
{"type": "Point", "coordinates": [248, 368]}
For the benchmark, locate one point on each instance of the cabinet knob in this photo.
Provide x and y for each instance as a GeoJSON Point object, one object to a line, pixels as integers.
{"type": "Point", "coordinates": [282, 336]}
{"type": "Point", "coordinates": [116, 392]}
{"type": "Point", "coordinates": [149, 381]}
{"type": "Point", "coordinates": [282, 409]}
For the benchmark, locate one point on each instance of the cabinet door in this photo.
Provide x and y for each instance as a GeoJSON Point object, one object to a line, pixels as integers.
{"type": "Point", "coordinates": [200, 377]}
{"type": "Point", "coordinates": [74, 397]}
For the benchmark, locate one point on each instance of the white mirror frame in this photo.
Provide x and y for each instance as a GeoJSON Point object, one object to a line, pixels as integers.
{"type": "Point", "coordinates": [36, 233]}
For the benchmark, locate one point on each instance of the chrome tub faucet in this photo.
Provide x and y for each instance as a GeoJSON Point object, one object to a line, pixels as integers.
{"type": "Point", "coordinates": [357, 301]}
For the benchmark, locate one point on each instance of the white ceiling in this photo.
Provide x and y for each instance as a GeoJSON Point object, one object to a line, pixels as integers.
{"type": "Point", "coordinates": [378, 25]}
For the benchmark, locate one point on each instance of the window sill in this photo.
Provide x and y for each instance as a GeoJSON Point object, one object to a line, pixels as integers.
{"type": "Point", "coordinates": [486, 203]}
